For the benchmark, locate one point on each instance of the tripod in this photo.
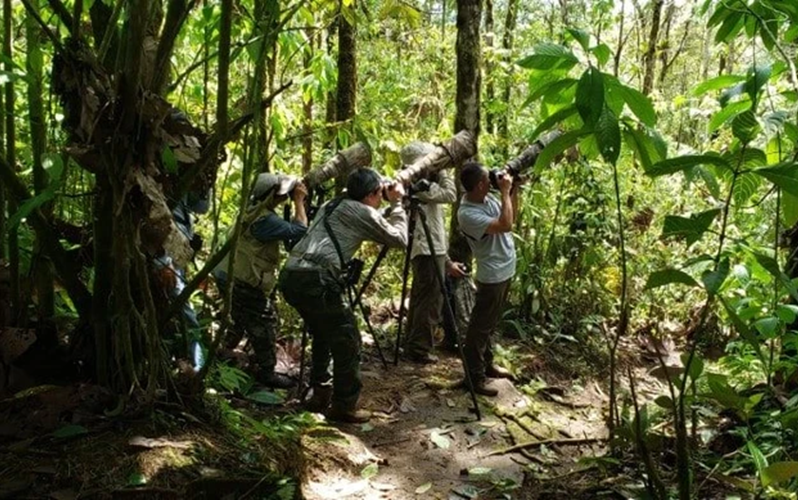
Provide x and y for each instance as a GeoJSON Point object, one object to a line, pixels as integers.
{"type": "Point", "coordinates": [416, 212]}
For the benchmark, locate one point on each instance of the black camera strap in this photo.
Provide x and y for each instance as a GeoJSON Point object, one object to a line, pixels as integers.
{"type": "Point", "coordinates": [328, 210]}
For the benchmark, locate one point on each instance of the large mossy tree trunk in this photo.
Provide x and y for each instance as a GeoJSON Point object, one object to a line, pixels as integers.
{"type": "Point", "coordinates": [10, 157]}
{"type": "Point", "coordinates": [469, 65]}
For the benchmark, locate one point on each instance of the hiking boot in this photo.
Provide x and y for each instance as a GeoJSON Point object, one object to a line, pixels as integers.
{"type": "Point", "coordinates": [481, 387]}
{"type": "Point", "coordinates": [276, 381]}
{"type": "Point", "coordinates": [423, 359]}
{"type": "Point", "coordinates": [320, 400]}
{"type": "Point", "coordinates": [494, 371]}
{"type": "Point", "coordinates": [349, 416]}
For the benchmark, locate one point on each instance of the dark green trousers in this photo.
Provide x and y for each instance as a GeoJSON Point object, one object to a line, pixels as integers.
{"type": "Point", "coordinates": [318, 297]}
{"type": "Point", "coordinates": [426, 300]}
{"type": "Point", "coordinates": [254, 316]}
{"type": "Point", "coordinates": [485, 316]}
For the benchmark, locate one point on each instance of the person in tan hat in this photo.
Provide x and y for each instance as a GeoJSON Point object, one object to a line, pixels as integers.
{"type": "Point", "coordinates": [256, 264]}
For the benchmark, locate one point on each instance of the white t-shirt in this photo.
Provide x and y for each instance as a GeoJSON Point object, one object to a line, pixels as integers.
{"type": "Point", "coordinates": [495, 253]}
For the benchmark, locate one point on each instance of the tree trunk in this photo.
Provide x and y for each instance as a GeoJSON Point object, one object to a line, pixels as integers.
{"type": "Point", "coordinates": [507, 45]}
{"type": "Point", "coordinates": [329, 111]}
{"type": "Point", "coordinates": [621, 40]}
{"type": "Point", "coordinates": [261, 141]}
{"type": "Point", "coordinates": [490, 119]}
{"type": "Point", "coordinates": [43, 271]}
{"type": "Point", "coordinates": [10, 153]}
{"type": "Point", "coordinates": [665, 44]}
{"type": "Point", "coordinates": [469, 64]}
{"type": "Point", "coordinates": [307, 110]}
{"type": "Point", "coordinates": [649, 60]}
{"type": "Point", "coordinates": [346, 91]}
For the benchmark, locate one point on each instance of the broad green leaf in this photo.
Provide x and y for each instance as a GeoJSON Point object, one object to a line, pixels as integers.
{"type": "Point", "coordinates": [745, 187]}
{"type": "Point", "coordinates": [370, 471]}
{"type": "Point", "coordinates": [767, 327]}
{"type": "Point", "coordinates": [580, 36]}
{"type": "Point", "coordinates": [713, 280]}
{"type": "Point", "coordinates": [669, 276]}
{"type": "Point", "coordinates": [789, 209]}
{"type": "Point", "coordinates": [70, 430]}
{"type": "Point", "coordinates": [727, 113]}
{"type": "Point", "coordinates": [709, 179]}
{"type": "Point", "coordinates": [774, 122]}
{"type": "Point", "coordinates": [730, 27]}
{"type": "Point", "coordinates": [466, 491]}
{"type": "Point", "coordinates": [723, 393]}
{"type": "Point", "coordinates": [778, 473]}
{"type": "Point", "coordinates": [784, 175]}
{"type": "Point", "coordinates": [551, 87]}
{"type": "Point", "coordinates": [696, 367]}
{"type": "Point", "coordinates": [664, 402]}
{"type": "Point", "coordinates": [558, 146]}
{"type": "Point", "coordinates": [690, 228]}
{"type": "Point", "coordinates": [639, 103]}
{"type": "Point", "coordinates": [730, 93]}
{"type": "Point", "coordinates": [717, 83]}
{"type": "Point", "coordinates": [136, 479]}
{"type": "Point", "coordinates": [553, 120]}
{"type": "Point", "coordinates": [787, 313]}
{"type": "Point", "coordinates": [680, 163]}
{"type": "Point", "coordinates": [590, 95]}
{"type": "Point", "coordinates": [266, 397]}
{"type": "Point", "coordinates": [602, 53]}
{"type": "Point", "coordinates": [549, 56]}
{"type": "Point", "coordinates": [771, 265]}
{"type": "Point", "coordinates": [608, 136]}
{"type": "Point", "coordinates": [757, 77]}
{"type": "Point", "coordinates": [746, 127]}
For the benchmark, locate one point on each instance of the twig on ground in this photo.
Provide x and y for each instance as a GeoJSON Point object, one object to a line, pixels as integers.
{"type": "Point", "coordinates": [532, 444]}
{"type": "Point", "coordinates": [518, 421]}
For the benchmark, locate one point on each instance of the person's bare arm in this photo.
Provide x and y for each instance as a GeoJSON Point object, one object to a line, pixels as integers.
{"type": "Point", "coordinates": [300, 193]}
{"type": "Point", "coordinates": [504, 223]}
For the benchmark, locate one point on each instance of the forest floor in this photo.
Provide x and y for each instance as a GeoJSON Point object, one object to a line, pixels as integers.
{"type": "Point", "coordinates": [64, 443]}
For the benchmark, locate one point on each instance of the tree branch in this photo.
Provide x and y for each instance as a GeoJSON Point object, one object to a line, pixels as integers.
{"type": "Point", "coordinates": [45, 28]}
{"type": "Point", "coordinates": [176, 14]}
{"type": "Point", "coordinates": [62, 12]}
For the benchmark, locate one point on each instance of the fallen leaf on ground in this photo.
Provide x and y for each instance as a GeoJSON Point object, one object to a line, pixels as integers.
{"type": "Point", "coordinates": [369, 471]}
{"type": "Point", "coordinates": [367, 427]}
{"type": "Point", "coordinates": [466, 491]}
{"type": "Point", "coordinates": [450, 403]}
{"type": "Point", "coordinates": [143, 442]}
{"type": "Point", "coordinates": [479, 471]}
{"type": "Point", "coordinates": [440, 441]}
{"type": "Point", "coordinates": [423, 488]}
{"type": "Point", "coordinates": [266, 397]}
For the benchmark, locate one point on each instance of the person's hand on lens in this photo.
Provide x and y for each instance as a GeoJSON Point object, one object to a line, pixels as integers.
{"type": "Point", "coordinates": [300, 193]}
{"type": "Point", "coordinates": [394, 192]}
{"type": "Point", "coordinates": [505, 182]}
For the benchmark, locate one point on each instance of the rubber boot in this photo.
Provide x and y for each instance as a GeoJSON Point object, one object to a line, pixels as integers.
{"type": "Point", "coordinates": [320, 400]}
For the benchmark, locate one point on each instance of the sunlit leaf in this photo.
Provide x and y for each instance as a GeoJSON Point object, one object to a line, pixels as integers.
{"type": "Point", "coordinates": [668, 277]}
{"type": "Point", "coordinates": [690, 228]}
{"type": "Point", "coordinates": [590, 95]}
{"type": "Point", "coordinates": [608, 136]}
{"type": "Point", "coordinates": [717, 83]}
{"type": "Point", "coordinates": [680, 163]}
{"type": "Point", "coordinates": [779, 472]}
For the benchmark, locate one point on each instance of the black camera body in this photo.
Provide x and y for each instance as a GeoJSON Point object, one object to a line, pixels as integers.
{"type": "Point", "coordinates": [494, 174]}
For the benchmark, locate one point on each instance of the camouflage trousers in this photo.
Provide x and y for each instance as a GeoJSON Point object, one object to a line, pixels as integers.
{"type": "Point", "coordinates": [319, 298]}
{"type": "Point", "coordinates": [426, 300]}
{"type": "Point", "coordinates": [254, 317]}
{"type": "Point", "coordinates": [461, 293]}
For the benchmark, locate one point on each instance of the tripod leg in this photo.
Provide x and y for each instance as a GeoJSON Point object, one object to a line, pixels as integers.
{"type": "Point", "coordinates": [405, 273]}
{"type": "Point", "coordinates": [450, 310]}
{"type": "Point", "coordinates": [372, 272]}
{"type": "Point", "coordinates": [373, 334]}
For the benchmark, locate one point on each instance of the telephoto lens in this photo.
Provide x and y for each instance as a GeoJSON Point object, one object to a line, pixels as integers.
{"type": "Point", "coordinates": [525, 160]}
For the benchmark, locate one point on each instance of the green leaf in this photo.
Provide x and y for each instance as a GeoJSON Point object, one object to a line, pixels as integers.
{"type": "Point", "coordinates": [778, 473]}
{"type": "Point", "coordinates": [440, 441]}
{"type": "Point", "coordinates": [266, 397]}
{"type": "Point", "coordinates": [767, 327]}
{"type": "Point", "coordinates": [664, 402]}
{"type": "Point", "coordinates": [553, 120]}
{"type": "Point", "coordinates": [370, 471]}
{"type": "Point", "coordinates": [784, 175]}
{"type": "Point", "coordinates": [467, 491]}
{"type": "Point", "coordinates": [732, 25]}
{"type": "Point", "coordinates": [713, 280]}
{"type": "Point", "coordinates": [717, 83]}
{"type": "Point", "coordinates": [169, 160]}
{"type": "Point", "coordinates": [557, 146]}
{"type": "Point", "coordinates": [423, 488]}
{"type": "Point", "coordinates": [70, 430]}
{"type": "Point", "coordinates": [667, 277]}
{"type": "Point", "coordinates": [742, 329]}
{"type": "Point", "coordinates": [760, 462]}
{"type": "Point", "coordinates": [580, 36]}
{"type": "Point", "coordinates": [556, 86]}
{"type": "Point", "coordinates": [549, 56]}
{"type": "Point", "coordinates": [602, 53]}
{"type": "Point", "coordinates": [590, 95]}
{"type": "Point", "coordinates": [696, 365]}
{"type": "Point", "coordinates": [789, 209]}
{"type": "Point", "coordinates": [745, 187]}
{"type": "Point", "coordinates": [757, 77]}
{"type": "Point", "coordinates": [136, 479]}
{"type": "Point", "coordinates": [746, 127]}
{"type": "Point", "coordinates": [608, 136]}
{"type": "Point", "coordinates": [690, 228]}
{"type": "Point", "coordinates": [787, 313]}
{"type": "Point", "coordinates": [639, 103]}
{"type": "Point", "coordinates": [771, 265]}
{"type": "Point", "coordinates": [680, 163]}
{"type": "Point", "coordinates": [727, 113]}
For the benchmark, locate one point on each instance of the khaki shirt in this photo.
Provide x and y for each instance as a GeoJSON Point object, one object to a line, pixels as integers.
{"type": "Point", "coordinates": [352, 222]}
{"type": "Point", "coordinates": [440, 193]}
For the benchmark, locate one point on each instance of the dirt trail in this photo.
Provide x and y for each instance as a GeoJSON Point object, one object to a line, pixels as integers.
{"type": "Point", "coordinates": [424, 442]}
